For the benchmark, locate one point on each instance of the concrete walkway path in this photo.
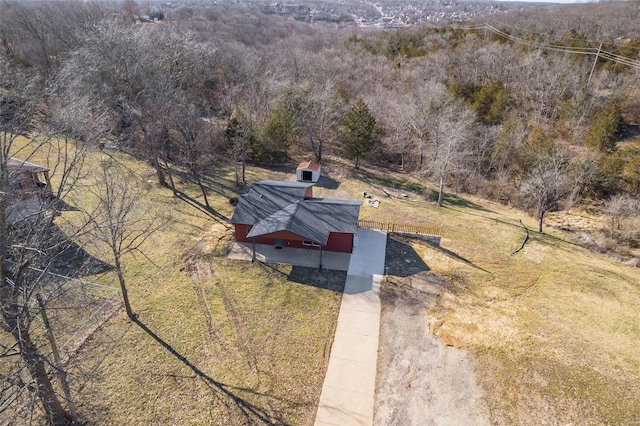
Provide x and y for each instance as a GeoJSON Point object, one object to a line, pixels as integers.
{"type": "Point", "coordinates": [349, 387]}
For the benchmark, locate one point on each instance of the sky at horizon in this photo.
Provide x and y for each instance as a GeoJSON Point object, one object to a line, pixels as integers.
{"type": "Point", "coordinates": [549, 1]}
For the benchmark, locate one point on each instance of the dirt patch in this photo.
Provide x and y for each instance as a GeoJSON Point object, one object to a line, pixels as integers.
{"type": "Point", "coordinates": [420, 379]}
{"type": "Point", "coordinates": [201, 269]}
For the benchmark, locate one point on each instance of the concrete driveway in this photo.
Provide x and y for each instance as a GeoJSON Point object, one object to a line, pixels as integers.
{"type": "Point", "coordinates": [348, 391]}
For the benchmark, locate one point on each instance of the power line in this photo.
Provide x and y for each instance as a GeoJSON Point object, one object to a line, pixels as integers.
{"type": "Point", "coordinates": [592, 51]}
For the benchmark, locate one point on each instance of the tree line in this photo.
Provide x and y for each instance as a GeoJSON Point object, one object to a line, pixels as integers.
{"type": "Point", "coordinates": [465, 109]}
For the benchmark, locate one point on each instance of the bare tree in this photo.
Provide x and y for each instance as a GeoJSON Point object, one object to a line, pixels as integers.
{"type": "Point", "coordinates": [399, 136]}
{"type": "Point", "coordinates": [621, 207]}
{"type": "Point", "coordinates": [39, 33]}
{"type": "Point", "coordinates": [239, 136]}
{"type": "Point", "coordinates": [316, 111]}
{"type": "Point", "coordinates": [119, 223]}
{"type": "Point", "coordinates": [553, 178]}
{"type": "Point", "coordinates": [450, 135]}
{"type": "Point", "coordinates": [27, 238]}
{"type": "Point", "coordinates": [135, 76]}
{"type": "Point", "coordinates": [443, 126]}
{"type": "Point", "coordinates": [192, 134]}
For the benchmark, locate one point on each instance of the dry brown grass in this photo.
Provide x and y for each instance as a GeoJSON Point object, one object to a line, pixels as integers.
{"type": "Point", "coordinates": [553, 330]}
{"type": "Point", "coordinates": [217, 341]}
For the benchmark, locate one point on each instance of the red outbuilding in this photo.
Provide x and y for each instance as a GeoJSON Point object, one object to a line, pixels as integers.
{"type": "Point", "coordinates": [308, 171]}
{"type": "Point", "coordinates": [285, 214]}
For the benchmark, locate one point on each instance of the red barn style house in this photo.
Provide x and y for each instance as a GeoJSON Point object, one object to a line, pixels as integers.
{"type": "Point", "coordinates": [285, 214]}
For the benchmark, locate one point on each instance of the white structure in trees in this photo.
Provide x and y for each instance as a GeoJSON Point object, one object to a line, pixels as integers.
{"type": "Point", "coordinates": [308, 171]}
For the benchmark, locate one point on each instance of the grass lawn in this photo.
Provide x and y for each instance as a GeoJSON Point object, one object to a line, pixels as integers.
{"type": "Point", "coordinates": [553, 330]}
{"type": "Point", "coordinates": [217, 341]}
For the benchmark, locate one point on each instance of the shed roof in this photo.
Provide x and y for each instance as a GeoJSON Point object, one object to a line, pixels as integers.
{"type": "Point", "coordinates": [311, 165]}
{"type": "Point", "coordinates": [13, 164]}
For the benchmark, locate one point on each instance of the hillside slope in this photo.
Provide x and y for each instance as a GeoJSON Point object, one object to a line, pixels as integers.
{"type": "Point", "coordinates": [552, 331]}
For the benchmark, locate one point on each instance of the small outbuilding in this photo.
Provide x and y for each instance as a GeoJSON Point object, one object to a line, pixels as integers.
{"type": "Point", "coordinates": [30, 187]}
{"type": "Point", "coordinates": [308, 171]}
{"type": "Point", "coordinates": [28, 178]}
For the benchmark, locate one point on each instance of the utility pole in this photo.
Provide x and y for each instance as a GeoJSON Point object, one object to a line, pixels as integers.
{"type": "Point", "coordinates": [62, 374]}
{"type": "Point", "coordinates": [594, 64]}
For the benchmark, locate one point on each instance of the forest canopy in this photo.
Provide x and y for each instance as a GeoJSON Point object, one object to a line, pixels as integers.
{"type": "Point", "coordinates": [531, 82]}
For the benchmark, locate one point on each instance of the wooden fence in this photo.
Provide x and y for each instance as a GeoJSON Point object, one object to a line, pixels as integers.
{"type": "Point", "coordinates": [402, 228]}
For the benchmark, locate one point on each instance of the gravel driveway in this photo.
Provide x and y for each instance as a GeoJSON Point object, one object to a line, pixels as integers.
{"type": "Point", "coordinates": [420, 381]}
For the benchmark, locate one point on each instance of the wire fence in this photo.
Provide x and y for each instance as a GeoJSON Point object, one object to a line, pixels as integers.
{"type": "Point", "coordinates": [75, 307]}
{"type": "Point", "coordinates": [74, 310]}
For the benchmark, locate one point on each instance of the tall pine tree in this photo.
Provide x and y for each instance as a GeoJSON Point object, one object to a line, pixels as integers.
{"type": "Point", "coordinates": [359, 131]}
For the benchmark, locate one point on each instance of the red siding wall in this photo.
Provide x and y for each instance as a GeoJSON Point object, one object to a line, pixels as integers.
{"type": "Point", "coordinates": [340, 242]}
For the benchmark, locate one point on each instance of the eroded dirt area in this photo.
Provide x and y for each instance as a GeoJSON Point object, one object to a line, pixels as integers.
{"type": "Point", "coordinates": [420, 380]}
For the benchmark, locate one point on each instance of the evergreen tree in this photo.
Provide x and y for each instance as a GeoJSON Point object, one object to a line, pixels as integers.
{"type": "Point", "coordinates": [605, 128]}
{"type": "Point", "coordinates": [359, 131]}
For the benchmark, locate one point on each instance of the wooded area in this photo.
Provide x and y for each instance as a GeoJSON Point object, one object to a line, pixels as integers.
{"type": "Point", "coordinates": [478, 109]}
{"type": "Point", "coordinates": [521, 111]}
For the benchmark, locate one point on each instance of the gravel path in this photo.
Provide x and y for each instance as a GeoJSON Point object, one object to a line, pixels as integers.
{"type": "Point", "coordinates": [421, 381]}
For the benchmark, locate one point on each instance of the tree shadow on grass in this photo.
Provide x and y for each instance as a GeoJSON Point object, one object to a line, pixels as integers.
{"type": "Point", "coordinates": [453, 255]}
{"type": "Point", "coordinates": [203, 208]}
{"type": "Point", "coordinates": [326, 279]}
{"type": "Point", "coordinates": [216, 185]}
{"type": "Point", "coordinates": [251, 412]}
{"type": "Point", "coordinates": [63, 206]}
{"type": "Point", "coordinates": [453, 201]}
{"type": "Point", "coordinates": [401, 259]}
{"type": "Point", "coordinates": [408, 185]}
{"type": "Point", "coordinates": [287, 168]}
{"type": "Point", "coordinates": [555, 241]}
{"type": "Point", "coordinates": [64, 256]}
{"type": "Point", "coordinates": [73, 260]}
{"type": "Point", "coordinates": [387, 181]}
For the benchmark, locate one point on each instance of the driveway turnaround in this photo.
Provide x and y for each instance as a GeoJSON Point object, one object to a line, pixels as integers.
{"type": "Point", "coordinates": [349, 387]}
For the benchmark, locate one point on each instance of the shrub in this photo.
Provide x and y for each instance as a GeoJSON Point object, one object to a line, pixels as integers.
{"type": "Point", "coordinates": [605, 128]}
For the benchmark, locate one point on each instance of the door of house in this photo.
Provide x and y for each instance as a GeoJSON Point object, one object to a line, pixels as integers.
{"type": "Point", "coordinates": [307, 176]}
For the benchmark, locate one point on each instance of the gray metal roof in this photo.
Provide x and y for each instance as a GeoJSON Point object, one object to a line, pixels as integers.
{"type": "Point", "coordinates": [267, 197]}
{"type": "Point", "coordinates": [13, 164]}
{"type": "Point", "coordinates": [273, 206]}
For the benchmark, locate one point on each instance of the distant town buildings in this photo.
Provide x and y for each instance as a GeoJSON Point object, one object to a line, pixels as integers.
{"type": "Point", "coordinates": [390, 14]}
{"type": "Point", "coordinates": [365, 14]}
